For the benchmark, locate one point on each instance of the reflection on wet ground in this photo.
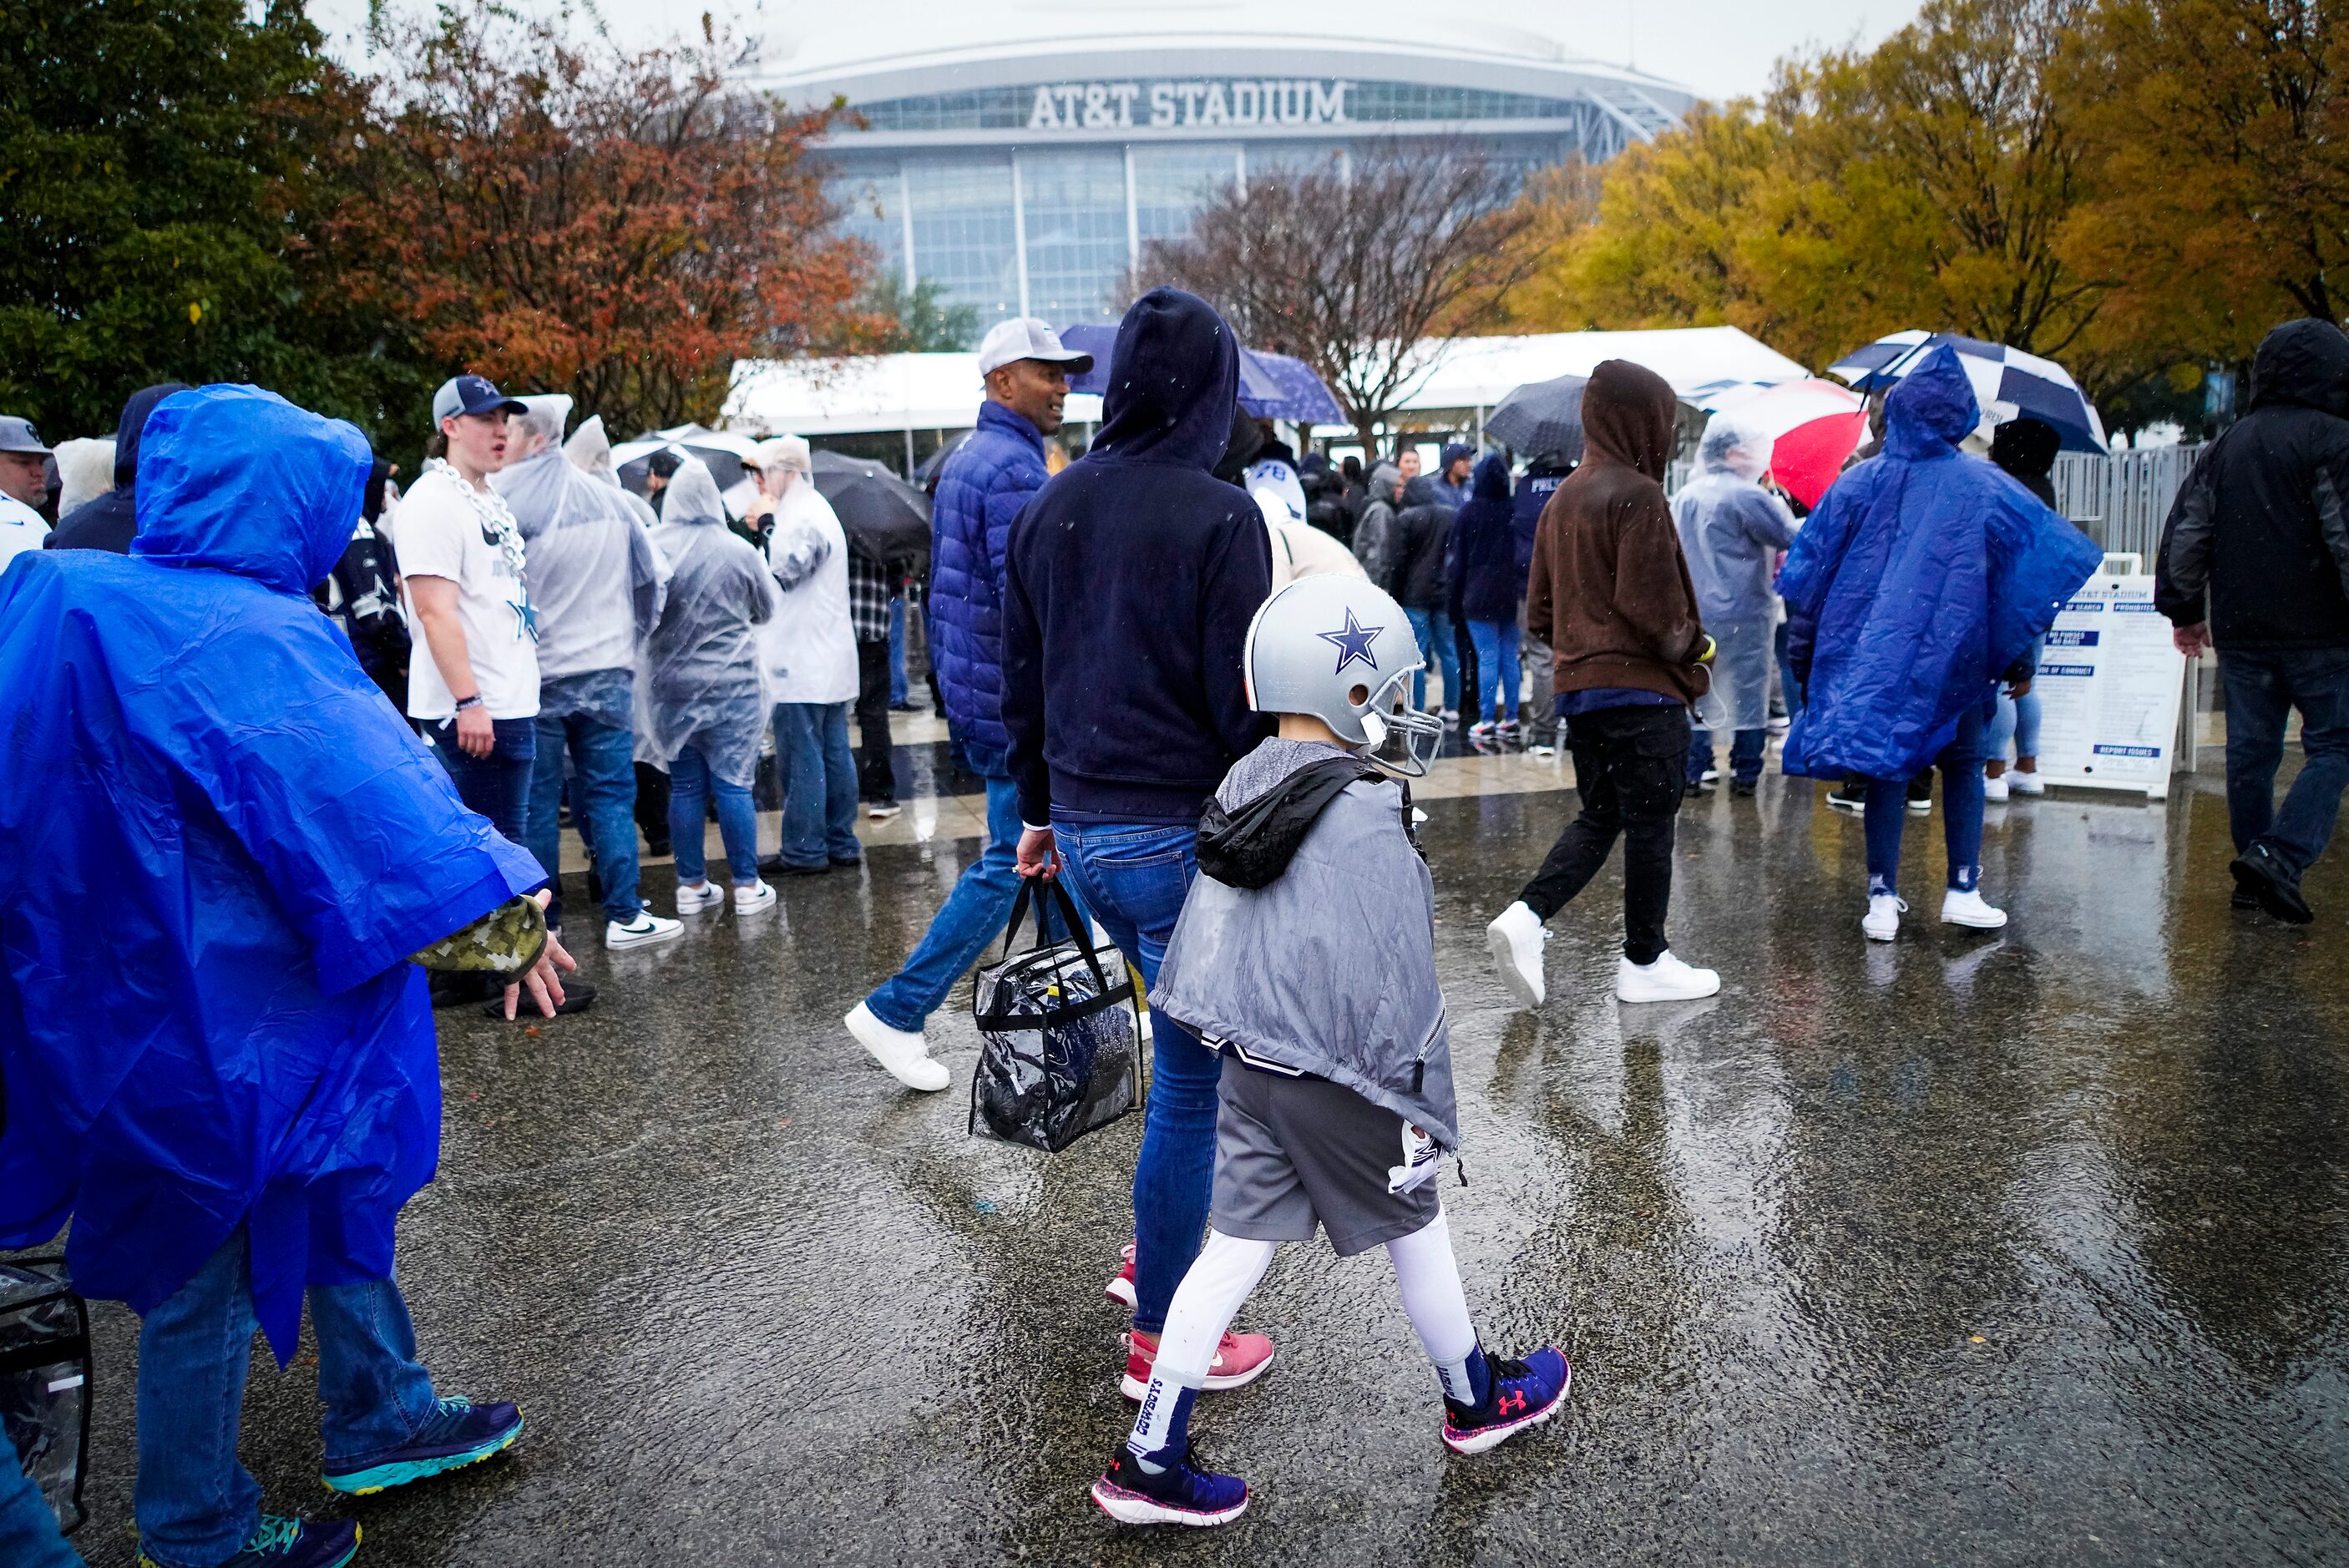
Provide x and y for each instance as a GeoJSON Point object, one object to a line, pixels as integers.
{"type": "Point", "coordinates": [2024, 1248]}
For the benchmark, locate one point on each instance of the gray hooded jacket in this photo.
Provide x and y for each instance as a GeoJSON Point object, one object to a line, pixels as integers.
{"type": "Point", "coordinates": [1330, 969]}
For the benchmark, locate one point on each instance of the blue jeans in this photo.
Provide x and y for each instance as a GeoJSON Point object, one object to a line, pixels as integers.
{"type": "Point", "coordinates": [819, 779]}
{"type": "Point", "coordinates": [1134, 877]}
{"type": "Point", "coordinates": [28, 1530]}
{"type": "Point", "coordinates": [603, 803]}
{"type": "Point", "coordinates": [1746, 747]}
{"type": "Point", "coordinates": [1433, 630]}
{"type": "Point", "coordinates": [195, 1504]}
{"type": "Point", "coordinates": [690, 783]}
{"type": "Point", "coordinates": [2017, 720]}
{"type": "Point", "coordinates": [2262, 686]}
{"type": "Point", "coordinates": [896, 651]}
{"type": "Point", "coordinates": [1961, 763]}
{"type": "Point", "coordinates": [964, 926]}
{"type": "Point", "coordinates": [1497, 665]}
{"type": "Point", "coordinates": [496, 786]}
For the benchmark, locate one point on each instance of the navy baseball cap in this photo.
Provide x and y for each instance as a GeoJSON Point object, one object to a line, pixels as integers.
{"type": "Point", "coordinates": [470, 395]}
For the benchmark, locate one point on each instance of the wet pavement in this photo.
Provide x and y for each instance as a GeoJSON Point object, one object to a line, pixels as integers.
{"type": "Point", "coordinates": [2021, 1248]}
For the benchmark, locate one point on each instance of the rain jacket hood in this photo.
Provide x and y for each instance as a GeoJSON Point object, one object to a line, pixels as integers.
{"type": "Point", "coordinates": [1922, 577]}
{"type": "Point", "coordinates": [2303, 362]}
{"type": "Point", "coordinates": [1628, 415]}
{"type": "Point", "coordinates": [240, 480]}
{"type": "Point", "coordinates": [1330, 967]}
{"type": "Point", "coordinates": [248, 1045]}
{"type": "Point", "coordinates": [1175, 381]}
{"type": "Point", "coordinates": [107, 522]}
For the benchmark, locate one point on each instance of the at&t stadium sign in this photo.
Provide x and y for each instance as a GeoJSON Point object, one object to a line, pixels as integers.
{"type": "Point", "coordinates": [1165, 105]}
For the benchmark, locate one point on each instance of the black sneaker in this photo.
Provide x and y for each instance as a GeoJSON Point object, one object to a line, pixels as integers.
{"type": "Point", "coordinates": [1743, 789]}
{"type": "Point", "coordinates": [1697, 789]}
{"type": "Point", "coordinates": [2260, 874]}
{"type": "Point", "coordinates": [1841, 799]}
{"type": "Point", "coordinates": [2243, 898]}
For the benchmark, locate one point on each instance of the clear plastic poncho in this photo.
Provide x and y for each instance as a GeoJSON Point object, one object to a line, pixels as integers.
{"type": "Point", "coordinates": [1731, 532]}
{"type": "Point", "coordinates": [593, 576]}
{"type": "Point", "coordinates": [699, 683]}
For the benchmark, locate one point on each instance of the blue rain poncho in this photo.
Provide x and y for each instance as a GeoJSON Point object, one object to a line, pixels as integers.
{"type": "Point", "coordinates": [220, 845]}
{"type": "Point", "coordinates": [701, 683]}
{"type": "Point", "coordinates": [1918, 579]}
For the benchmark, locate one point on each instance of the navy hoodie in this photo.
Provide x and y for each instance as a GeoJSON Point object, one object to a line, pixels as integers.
{"type": "Point", "coordinates": [1130, 583]}
{"type": "Point", "coordinates": [1481, 571]}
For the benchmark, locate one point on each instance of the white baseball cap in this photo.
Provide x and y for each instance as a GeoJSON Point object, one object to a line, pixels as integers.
{"type": "Point", "coordinates": [1025, 337]}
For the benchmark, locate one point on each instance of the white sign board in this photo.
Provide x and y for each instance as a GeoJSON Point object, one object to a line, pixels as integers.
{"type": "Point", "coordinates": [2109, 684]}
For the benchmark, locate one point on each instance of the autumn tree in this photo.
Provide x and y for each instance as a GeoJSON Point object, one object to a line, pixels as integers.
{"type": "Point", "coordinates": [1350, 265]}
{"type": "Point", "coordinates": [619, 227]}
{"type": "Point", "coordinates": [2222, 172]}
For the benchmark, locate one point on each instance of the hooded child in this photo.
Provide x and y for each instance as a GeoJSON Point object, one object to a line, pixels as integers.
{"type": "Point", "coordinates": [1611, 587]}
{"type": "Point", "coordinates": [232, 1096]}
{"type": "Point", "coordinates": [1919, 581]}
{"type": "Point", "coordinates": [1306, 958]}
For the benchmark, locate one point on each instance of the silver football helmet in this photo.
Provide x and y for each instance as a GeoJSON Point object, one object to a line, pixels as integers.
{"type": "Point", "coordinates": [1342, 650]}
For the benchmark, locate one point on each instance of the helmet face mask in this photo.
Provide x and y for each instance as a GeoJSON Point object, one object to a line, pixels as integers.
{"type": "Point", "coordinates": [1402, 738]}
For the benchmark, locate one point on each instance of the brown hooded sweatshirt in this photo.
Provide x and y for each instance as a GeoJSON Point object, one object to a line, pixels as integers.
{"type": "Point", "coordinates": [1609, 584]}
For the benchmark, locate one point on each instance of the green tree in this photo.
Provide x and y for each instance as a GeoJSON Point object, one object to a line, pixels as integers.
{"type": "Point", "coordinates": [919, 320]}
{"type": "Point", "coordinates": [155, 184]}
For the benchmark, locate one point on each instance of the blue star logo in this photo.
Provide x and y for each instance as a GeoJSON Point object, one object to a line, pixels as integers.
{"type": "Point", "coordinates": [1353, 642]}
{"type": "Point", "coordinates": [525, 618]}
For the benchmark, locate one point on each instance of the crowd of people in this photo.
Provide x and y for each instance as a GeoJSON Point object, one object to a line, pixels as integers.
{"type": "Point", "coordinates": [232, 1096]}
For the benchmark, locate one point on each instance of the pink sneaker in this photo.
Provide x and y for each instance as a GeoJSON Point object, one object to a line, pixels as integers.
{"type": "Point", "coordinates": [1240, 1358]}
{"type": "Point", "coordinates": [1120, 1289]}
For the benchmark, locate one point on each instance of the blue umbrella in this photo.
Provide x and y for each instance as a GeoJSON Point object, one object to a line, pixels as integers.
{"type": "Point", "coordinates": [1272, 386]}
{"type": "Point", "coordinates": [2008, 382]}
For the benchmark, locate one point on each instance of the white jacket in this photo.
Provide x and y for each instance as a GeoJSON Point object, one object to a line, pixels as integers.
{"type": "Point", "coordinates": [807, 652]}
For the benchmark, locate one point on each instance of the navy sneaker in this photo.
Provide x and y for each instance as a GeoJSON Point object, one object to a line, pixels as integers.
{"type": "Point", "coordinates": [293, 1543]}
{"type": "Point", "coordinates": [461, 1434]}
{"type": "Point", "coordinates": [1182, 1493]}
{"type": "Point", "coordinates": [1524, 1394]}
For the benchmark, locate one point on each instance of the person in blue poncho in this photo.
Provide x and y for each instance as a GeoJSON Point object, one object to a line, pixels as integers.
{"type": "Point", "coordinates": [230, 1084]}
{"type": "Point", "coordinates": [1919, 583]}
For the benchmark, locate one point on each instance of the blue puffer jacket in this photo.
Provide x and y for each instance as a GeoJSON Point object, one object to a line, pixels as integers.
{"type": "Point", "coordinates": [1922, 577]}
{"type": "Point", "coordinates": [982, 490]}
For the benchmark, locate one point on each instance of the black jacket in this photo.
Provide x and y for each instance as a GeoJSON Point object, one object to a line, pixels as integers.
{"type": "Point", "coordinates": [1417, 542]}
{"type": "Point", "coordinates": [1484, 579]}
{"type": "Point", "coordinates": [2258, 539]}
{"type": "Point", "coordinates": [1129, 582]}
{"type": "Point", "coordinates": [107, 521]}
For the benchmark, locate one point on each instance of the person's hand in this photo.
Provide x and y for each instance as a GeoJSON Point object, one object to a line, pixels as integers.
{"type": "Point", "coordinates": [2017, 690]}
{"type": "Point", "coordinates": [1039, 854]}
{"type": "Point", "coordinates": [543, 978]}
{"type": "Point", "coordinates": [2191, 640]}
{"type": "Point", "coordinates": [476, 736]}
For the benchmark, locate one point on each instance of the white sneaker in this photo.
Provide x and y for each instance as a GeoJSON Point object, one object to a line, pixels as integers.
{"type": "Point", "coordinates": [1994, 788]}
{"type": "Point", "coordinates": [2025, 783]}
{"type": "Point", "coordinates": [642, 932]}
{"type": "Point", "coordinates": [691, 900]}
{"type": "Point", "coordinates": [1666, 980]}
{"type": "Point", "coordinates": [752, 899]}
{"type": "Point", "coordinates": [1516, 937]}
{"type": "Point", "coordinates": [905, 1052]}
{"type": "Point", "coordinates": [1969, 910]}
{"type": "Point", "coordinates": [1882, 921]}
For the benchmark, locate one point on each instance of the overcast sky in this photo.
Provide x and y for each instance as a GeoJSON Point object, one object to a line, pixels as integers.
{"type": "Point", "coordinates": [1723, 48]}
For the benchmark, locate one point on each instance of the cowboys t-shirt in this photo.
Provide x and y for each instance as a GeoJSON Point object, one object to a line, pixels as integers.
{"type": "Point", "coordinates": [439, 531]}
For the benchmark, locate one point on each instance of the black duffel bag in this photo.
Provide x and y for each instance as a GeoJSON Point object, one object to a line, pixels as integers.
{"type": "Point", "coordinates": [1063, 1034]}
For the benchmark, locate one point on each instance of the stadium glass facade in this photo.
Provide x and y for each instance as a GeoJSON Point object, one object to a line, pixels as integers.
{"type": "Point", "coordinates": [1035, 193]}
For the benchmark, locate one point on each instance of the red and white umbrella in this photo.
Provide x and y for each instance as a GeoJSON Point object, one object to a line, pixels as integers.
{"type": "Point", "coordinates": [1813, 426]}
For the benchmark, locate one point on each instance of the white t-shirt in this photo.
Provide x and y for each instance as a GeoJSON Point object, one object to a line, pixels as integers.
{"type": "Point", "coordinates": [21, 529]}
{"type": "Point", "coordinates": [439, 530]}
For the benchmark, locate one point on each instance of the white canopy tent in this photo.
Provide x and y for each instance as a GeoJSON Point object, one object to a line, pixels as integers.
{"type": "Point", "coordinates": [909, 392]}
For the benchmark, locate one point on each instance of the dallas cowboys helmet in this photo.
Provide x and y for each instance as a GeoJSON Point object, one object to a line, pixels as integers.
{"type": "Point", "coordinates": [1342, 650]}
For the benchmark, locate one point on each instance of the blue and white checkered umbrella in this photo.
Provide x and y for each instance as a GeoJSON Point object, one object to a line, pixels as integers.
{"type": "Point", "coordinates": [2008, 382]}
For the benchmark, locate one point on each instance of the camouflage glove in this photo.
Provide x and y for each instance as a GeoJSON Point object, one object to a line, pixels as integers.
{"type": "Point", "coordinates": [506, 941]}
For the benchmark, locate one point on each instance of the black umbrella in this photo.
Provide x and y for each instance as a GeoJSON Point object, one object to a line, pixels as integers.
{"type": "Point", "coordinates": [886, 520]}
{"type": "Point", "coordinates": [928, 470]}
{"type": "Point", "coordinates": [1541, 418]}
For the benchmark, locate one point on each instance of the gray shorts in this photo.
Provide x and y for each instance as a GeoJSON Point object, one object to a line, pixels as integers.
{"type": "Point", "coordinates": [1293, 1152]}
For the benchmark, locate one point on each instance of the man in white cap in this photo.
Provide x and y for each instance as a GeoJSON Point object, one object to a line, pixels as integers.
{"type": "Point", "coordinates": [24, 486]}
{"type": "Point", "coordinates": [809, 657]}
{"type": "Point", "coordinates": [982, 488]}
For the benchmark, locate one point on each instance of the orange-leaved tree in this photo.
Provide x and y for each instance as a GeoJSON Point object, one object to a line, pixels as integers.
{"type": "Point", "coordinates": [569, 218]}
